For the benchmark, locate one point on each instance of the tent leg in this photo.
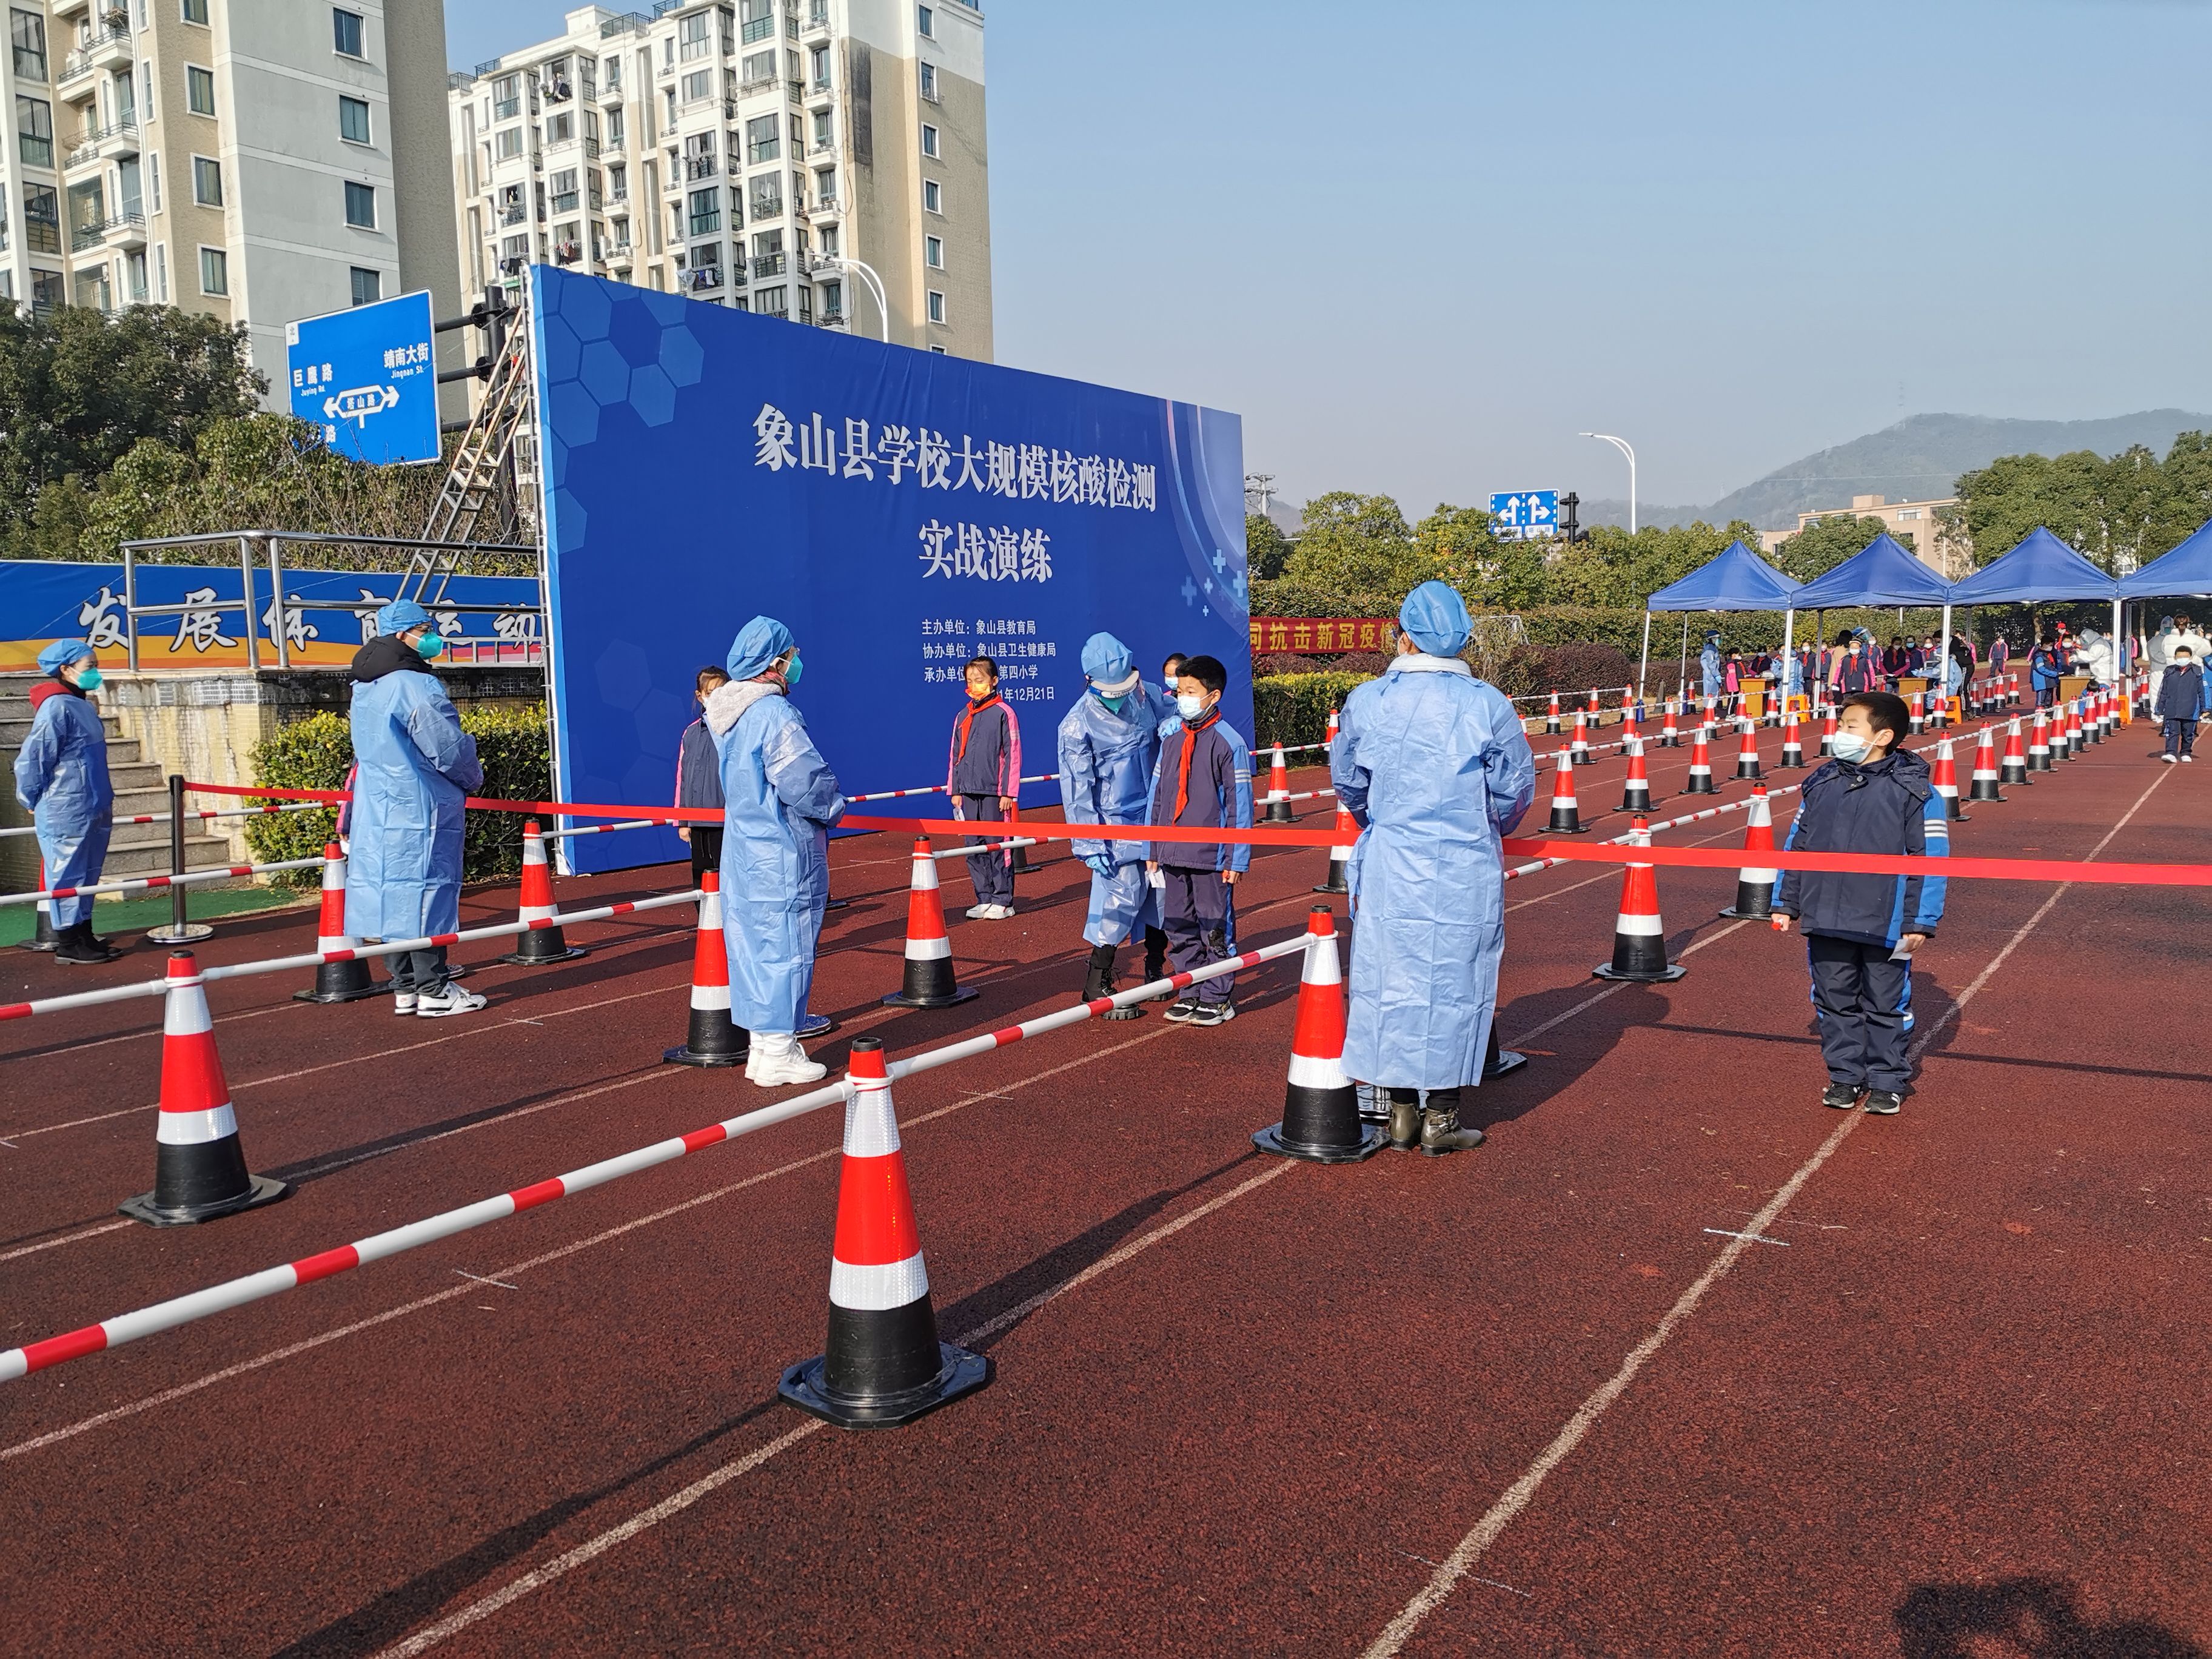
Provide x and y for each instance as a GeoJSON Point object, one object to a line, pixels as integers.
{"type": "Point", "coordinates": [1644, 668]}
{"type": "Point", "coordinates": [1789, 651]}
{"type": "Point", "coordinates": [1682, 667]}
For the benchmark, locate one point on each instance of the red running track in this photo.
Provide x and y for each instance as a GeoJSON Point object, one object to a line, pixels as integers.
{"type": "Point", "coordinates": [1243, 1405]}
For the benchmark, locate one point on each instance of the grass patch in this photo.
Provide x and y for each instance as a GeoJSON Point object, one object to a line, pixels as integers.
{"type": "Point", "coordinates": [137, 914]}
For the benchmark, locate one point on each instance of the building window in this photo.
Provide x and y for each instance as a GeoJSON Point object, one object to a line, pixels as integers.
{"type": "Point", "coordinates": [938, 350]}
{"type": "Point", "coordinates": [826, 189]}
{"type": "Point", "coordinates": [759, 21]}
{"type": "Point", "coordinates": [766, 198]}
{"type": "Point", "coordinates": [353, 119]}
{"type": "Point", "coordinates": [345, 32]}
{"type": "Point", "coordinates": [368, 286]}
{"type": "Point", "coordinates": [195, 11]}
{"type": "Point", "coordinates": [360, 205]}
{"type": "Point", "coordinates": [705, 211]}
{"type": "Point", "coordinates": [560, 127]}
{"type": "Point", "coordinates": [934, 251]}
{"type": "Point", "coordinates": [161, 272]}
{"type": "Point", "coordinates": [833, 301]}
{"type": "Point", "coordinates": [928, 139]}
{"type": "Point", "coordinates": [207, 182]}
{"type": "Point", "coordinates": [763, 139]}
{"type": "Point", "coordinates": [146, 94]}
{"type": "Point", "coordinates": [933, 197]}
{"type": "Point", "coordinates": [154, 180]}
{"type": "Point", "coordinates": [929, 82]}
{"type": "Point", "coordinates": [199, 90]}
{"type": "Point", "coordinates": [26, 35]}
{"type": "Point", "coordinates": [698, 86]}
{"type": "Point", "coordinates": [506, 143]}
{"type": "Point", "coordinates": [924, 22]}
{"type": "Point", "coordinates": [42, 218]}
{"type": "Point", "coordinates": [215, 271]}
{"type": "Point", "coordinates": [817, 60]}
{"type": "Point", "coordinates": [564, 190]}
{"type": "Point", "coordinates": [34, 130]}
{"type": "Point", "coordinates": [770, 301]}
{"type": "Point", "coordinates": [936, 306]}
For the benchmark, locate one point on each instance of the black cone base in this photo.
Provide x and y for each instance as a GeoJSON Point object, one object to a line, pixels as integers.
{"type": "Point", "coordinates": [1555, 828]}
{"type": "Point", "coordinates": [837, 904]}
{"type": "Point", "coordinates": [959, 1373]}
{"type": "Point", "coordinates": [199, 1183]}
{"type": "Point", "coordinates": [43, 938]}
{"type": "Point", "coordinates": [1321, 1125]}
{"type": "Point", "coordinates": [1754, 901]}
{"type": "Point", "coordinates": [342, 982]}
{"type": "Point", "coordinates": [543, 946]}
{"type": "Point", "coordinates": [882, 1369]}
{"type": "Point", "coordinates": [1636, 803]}
{"type": "Point", "coordinates": [1701, 786]}
{"type": "Point", "coordinates": [929, 984]}
{"type": "Point", "coordinates": [1666, 975]}
{"type": "Point", "coordinates": [1502, 1062]}
{"type": "Point", "coordinates": [1985, 795]}
{"type": "Point", "coordinates": [1279, 812]}
{"type": "Point", "coordinates": [1335, 883]}
{"type": "Point", "coordinates": [1640, 959]}
{"type": "Point", "coordinates": [712, 1038]}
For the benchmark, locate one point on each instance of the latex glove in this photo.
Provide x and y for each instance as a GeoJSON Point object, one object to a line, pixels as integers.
{"type": "Point", "coordinates": [1101, 864]}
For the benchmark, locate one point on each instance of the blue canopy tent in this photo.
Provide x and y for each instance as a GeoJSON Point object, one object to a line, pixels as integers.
{"type": "Point", "coordinates": [1735, 578]}
{"type": "Point", "coordinates": [2042, 567]}
{"type": "Point", "coordinates": [2186, 571]}
{"type": "Point", "coordinates": [1880, 574]}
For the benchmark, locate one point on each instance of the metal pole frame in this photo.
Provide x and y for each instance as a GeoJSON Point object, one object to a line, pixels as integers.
{"type": "Point", "coordinates": [246, 598]}
{"type": "Point", "coordinates": [1644, 668]}
{"type": "Point", "coordinates": [131, 604]}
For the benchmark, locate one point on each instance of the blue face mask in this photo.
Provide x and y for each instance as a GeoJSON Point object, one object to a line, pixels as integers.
{"type": "Point", "coordinates": [432, 644]}
{"type": "Point", "coordinates": [792, 671]}
{"type": "Point", "coordinates": [89, 680]}
{"type": "Point", "coordinates": [1850, 746]}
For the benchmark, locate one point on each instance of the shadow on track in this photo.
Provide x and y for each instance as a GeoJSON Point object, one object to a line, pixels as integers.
{"type": "Point", "coordinates": [1594, 1034]}
{"type": "Point", "coordinates": [2034, 1618]}
{"type": "Point", "coordinates": [398, 1610]}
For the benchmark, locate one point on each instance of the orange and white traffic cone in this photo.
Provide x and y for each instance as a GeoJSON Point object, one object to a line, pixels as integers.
{"type": "Point", "coordinates": [1944, 780]}
{"type": "Point", "coordinates": [200, 1168]}
{"type": "Point", "coordinates": [1328, 749]}
{"type": "Point", "coordinates": [1985, 768]}
{"type": "Point", "coordinates": [2039, 748]}
{"type": "Point", "coordinates": [1567, 813]}
{"type": "Point", "coordinates": [1793, 744]}
{"type": "Point", "coordinates": [2071, 730]}
{"type": "Point", "coordinates": [929, 982]}
{"type": "Point", "coordinates": [2105, 704]}
{"type": "Point", "coordinates": [1279, 791]}
{"type": "Point", "coordinates": [1579, 748]}
{"type": "Point", "coordinates": [1552, 717]}
{"type": "Point", "coordinates": [337, 981]}
{"type": "Point", "coordinates": [1754, 884]}
{"type": "Point", "coordinates": [1321, 1107]}
{"type": "Point", "coordinates": [1747, 754]}
{"type": "Point", "coordinates": [544, 945]}
{"type": "Point", "coordinates": [1339, 854]}
{"type": "Point", "coordinates": [1828, 733]}
{"type": "Point", "coordinates": [1917, 714]}
{"type": "Point", "coordinates": [711, 1039]}
{"type": "Point", "coordinates": [2012, 769]}
{"type": "Point", "coordinates": [1670, 735]}
{"type": "Point", "coordinates": [1639, 937]}
{"type": "Point", "coordinates": [1636, 790]}
{"type": "Point", "coordinates": [1701, 764]}
{"type": "Point", "coordinates": [883, 1365]}
{"type": "Point", "coordinates": [1629, 727]}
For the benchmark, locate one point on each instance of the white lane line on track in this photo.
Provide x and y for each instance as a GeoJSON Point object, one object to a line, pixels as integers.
{"type": "Point", "coordinates": [131, 1408]}
{"type": "Point", "coordinates": [676, 1502]}
{"type": "Point", "coordinates": [66, 1239]}
{"type": "Point", "coordinates": [1517, 1497]}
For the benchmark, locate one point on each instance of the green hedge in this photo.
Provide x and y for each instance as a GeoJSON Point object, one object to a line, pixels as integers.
{"type": "Point", "coordinates": [317, 752]}
{"type": "Point", "coordinates": [1289, 708]}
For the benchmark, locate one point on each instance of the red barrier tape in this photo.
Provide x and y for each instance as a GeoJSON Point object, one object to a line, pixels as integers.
{"type": "Point", "coordinates": [1719, 858]}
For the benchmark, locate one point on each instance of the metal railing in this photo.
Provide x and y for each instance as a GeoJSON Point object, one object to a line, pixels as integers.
{"type": "Point", "coordinates": [768, 265]}
{"type": "Point", "coordinates": [699, 278]}
{"type": "Point", "coordinates": [89, 141]}
{"type": "Point", "coordinates": [93, 234]}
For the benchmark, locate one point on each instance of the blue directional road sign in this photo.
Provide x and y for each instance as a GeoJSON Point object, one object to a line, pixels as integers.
{"type": "Point", "coordinates": [368, 377]}
{"type": "Point", "coordinates": [1529, 512]}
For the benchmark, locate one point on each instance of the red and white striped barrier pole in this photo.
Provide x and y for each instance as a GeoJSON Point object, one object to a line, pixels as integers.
{"type": "Point", "coordinates": [145, 883]}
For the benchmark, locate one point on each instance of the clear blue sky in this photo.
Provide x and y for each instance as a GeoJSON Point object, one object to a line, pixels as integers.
{"type": "Point", "coordinates": [1419, 246]}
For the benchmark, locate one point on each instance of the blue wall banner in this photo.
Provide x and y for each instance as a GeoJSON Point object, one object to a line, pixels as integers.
{"type": "Point", "coordinates": [42, 601]}
{"type": "Point", "coordinates": [900, 511]}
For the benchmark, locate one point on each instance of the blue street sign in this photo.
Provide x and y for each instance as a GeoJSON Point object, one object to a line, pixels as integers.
{"type": "Point", "coordinates": [368, 377]}
{"type": "Point", "coordinates": [1530, 512]}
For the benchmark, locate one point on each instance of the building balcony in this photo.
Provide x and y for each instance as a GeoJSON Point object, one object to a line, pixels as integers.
{"type": "Point", "coordinates": [768, 265]}
{"type": "Point", "coordinates": [698, 167]}
{"type": "Point", "coordinates": [830, 208]}
{"type": "Point", "coordinates": [831, 319]}
{"type": "Point", "coordinates": [556, 91]}
{"type": "Point", "coordinates": [620, 256]}
{"type": "Point", "coordinates": [107, 144]}
{"type": "Point", "coordinates": [819, 93]}
{"type": "Point", "coordinates": [62, 8]}
{"type": "Point", "coordinates": [567, 254]}
{"type": "Point", "coordinates": [747, 88]}
{"type": "Point", "coordinates": [505, 109]}
{"type": "Point", "coordinates": [513, 215]}
{"type": "Point", "coordinates": [109, 45]}
{"type": "Point", "coordinates": [822, 149]}
{"type": "Point", "coordinates": [616, 144]}
{"type": "Point", "coordinates": [126, 229]}
{"type": "Point", "coordinates": [702, 279]}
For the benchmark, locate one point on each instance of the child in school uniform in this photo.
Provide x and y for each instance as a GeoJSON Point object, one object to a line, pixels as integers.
{"type": "Point", "coordinates": [1203, 782]}
{"type": "Point", "coordinates": [983, 776]}
{"type": "Point", "coordinates": [699, 779]}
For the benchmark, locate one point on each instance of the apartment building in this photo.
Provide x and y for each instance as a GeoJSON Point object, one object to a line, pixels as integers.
{"type": "Point", "coordinates": [781, 156]}
{"type": "Point", "coordinates": [1913, 523]}
{"type": "Point", "coordinates": [258, 160]}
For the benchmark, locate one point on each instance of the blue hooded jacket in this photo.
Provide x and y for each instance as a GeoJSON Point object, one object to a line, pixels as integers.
{"type": "Point", "coordinates": [1888, 809]}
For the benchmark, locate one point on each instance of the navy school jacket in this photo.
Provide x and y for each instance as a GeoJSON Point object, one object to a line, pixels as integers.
{"type": "Point", "coordinates": [1888, 808]}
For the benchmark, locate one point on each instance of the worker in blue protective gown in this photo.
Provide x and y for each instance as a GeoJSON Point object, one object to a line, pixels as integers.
{"type": "Point", "coordinates": [61, 776]}
{"type": "Point", "coordinates": [780, 800]}
{"type": "Point", "coordinates": [1108, 743]}
{"type": "Point", "coordinates": [413, 767]}
{"type": "Point", "coordinates": [1432, 764]}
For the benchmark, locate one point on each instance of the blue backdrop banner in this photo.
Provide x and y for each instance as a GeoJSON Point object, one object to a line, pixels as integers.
{"type": "Point", "coordinates": [900, 511]}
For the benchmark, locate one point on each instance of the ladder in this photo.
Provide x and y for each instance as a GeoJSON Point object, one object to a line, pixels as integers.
{"type": "Point", "coordinates": [482, 499]}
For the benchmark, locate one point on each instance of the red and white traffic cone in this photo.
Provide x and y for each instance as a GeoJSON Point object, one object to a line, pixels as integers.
{"type": "Point", "coordinates": [1334, 725]}
{"type": "Point", "coordinates": [2039, 748]}
{"type": "Point", "coordinates": [1917, 711]}
{"type": "Point", "coordinates": [42, 934]}
{"type": "Point", "coordinates": [1639, 937]}
{"type": "Point", "coordinates": [1279, 791]}
{"type": "Point", "coordinates": [2073, 741]}
{"type": "Point", "coordinates": [1793, 744]}
{"type": "Point", "coordinates": [1321, 1108]}
{"type": "Point", "coordinates": [1552, 717]}
{"type": "Point", "coordinates": [1754, 884]}
{"type": "Point", "coordinates": [1339, 854]}
{"type": "Point", "coordinates": [1828, 733]}
{"type": "Point", "coordinates": [1597, 708]}
{"type": "Point", "coordinates": [1747, 754]}
{"type": "Point", "coordinates": [1636, 790]}
{"type": "Point", "coordinates": [337, 981]}
{"type": "Point", "coordinates": [1580, 747]}
{"type": "Point", "coordinates": [200, 1168]}
{"type": "Point", "coordinates": [1985, 768]}
{"type": "Point", "coordinates": [1629, 727]}
{"type": "Point", "coordinates": [1566, 813]}
{"type": "Point", "coordinates": [1701, 764]}
{"type": "Point", "coordinates": [883, 1365]}
{"type": "Point", "coordinates": [1945, 780]}
{"type": "Point", "coordinates": [544, 945]}
{"type": "Point", "coordinates": [1670, 735]}
{"type": "Point", "coordinates": [2012, 769]}
{"type": "Point", "coordinates": [2105, 707]}
{"type": "Point", "coordinates": [711, 1039]}
{"type": "Point", "coordinates": [929, 982]}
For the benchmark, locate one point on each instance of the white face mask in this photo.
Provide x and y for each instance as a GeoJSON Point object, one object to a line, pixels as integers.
{"type": "Point", "coordinates": [1850, 746]}
{"type": "Point", "coordinates": [1189, 707]}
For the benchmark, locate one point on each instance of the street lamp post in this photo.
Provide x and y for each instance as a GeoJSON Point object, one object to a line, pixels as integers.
{"type": "Point", "coordinates": [866, 273]}
{"type": "Point", "coordinates": [1621, 444]}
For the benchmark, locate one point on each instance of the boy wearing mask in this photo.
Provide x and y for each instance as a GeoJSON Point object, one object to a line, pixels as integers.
{"type": "Point", "coordinates": [1861, 931]}
{"type": "Point", "coordinates": [699, 778]}
{"type": "Point", "coordinates": [982, 775]}
{"type": "Point", "coordinates": [1203, 781]}
{"type": "Point", "coordinates": [2180, 697]}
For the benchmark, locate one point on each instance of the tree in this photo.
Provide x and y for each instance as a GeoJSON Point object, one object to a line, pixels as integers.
{"type": "Point", "coordinates": [2119, 512]}
{"type": "Point", "coordinates": [1354, 544]}
{"type": "Point", "coordinates": [1458, 544]}
{"type": "Point", "coordinates": [78, 390]}
{"type": "Point", "coordinates": [1822, 545]}
{"type": "Point", "coordinates": [1266, 549]}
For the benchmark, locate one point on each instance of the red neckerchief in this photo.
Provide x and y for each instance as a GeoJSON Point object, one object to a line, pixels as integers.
{"type": "Point", "coordinates": [968, 720]}
{"type": "Point", "coordinates": [1183, 776]}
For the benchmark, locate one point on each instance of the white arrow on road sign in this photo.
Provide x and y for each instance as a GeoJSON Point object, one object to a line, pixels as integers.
{"type": "Point", "coordinates": [359, 403]}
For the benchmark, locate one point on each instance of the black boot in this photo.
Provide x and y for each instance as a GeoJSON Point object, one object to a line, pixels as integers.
{"type": "Point", "coordinates": [1156, 959]}
{"type": "Point", "coordinates": [1405, 1119]}
{"type": "Point", "coordinates": [1099, 982]}
{"type": "Point", "coordinates": [75, 944]}
{"type": "Point", "coordinates": [1440, 1130]}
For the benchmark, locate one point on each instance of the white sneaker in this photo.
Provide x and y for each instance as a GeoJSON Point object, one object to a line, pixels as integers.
{"type": "Point", "coordinates": [2189, 760]}
{"type": "Point", "coordinates": [776, 1059]}
{"type": "Point", "coordinates": [998, 913]}
{"type": "Point", "coordinates": [977, 912]}
{"type": "Point", "coordinates": [403, 1002]}
{"type": "Point", "coordinates": [451, 1001]}
{"type": "Point", "coordinates": [2168, 759]}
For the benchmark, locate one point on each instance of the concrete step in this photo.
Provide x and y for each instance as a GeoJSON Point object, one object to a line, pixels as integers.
{"type": "Point", "coordinates": [135, 777]}
{"type": "Point", "coordinates": [201, 853]}
{"type": "Point", "coordinates": [15, 725]}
